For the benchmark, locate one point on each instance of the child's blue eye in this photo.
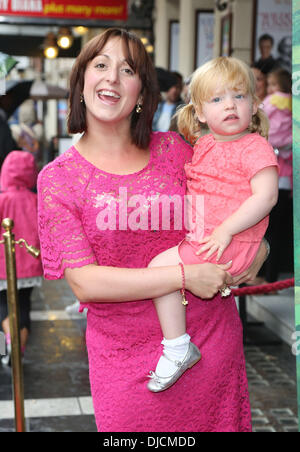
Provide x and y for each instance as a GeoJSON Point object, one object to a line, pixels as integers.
{"type": "Point", "coordinates": [240, 96]}
{"type": "Point", "coordinates": [216, 99]}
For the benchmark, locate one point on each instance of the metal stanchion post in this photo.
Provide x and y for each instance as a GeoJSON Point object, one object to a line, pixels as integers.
{"type": "Point", "coordinates": [13, 311]}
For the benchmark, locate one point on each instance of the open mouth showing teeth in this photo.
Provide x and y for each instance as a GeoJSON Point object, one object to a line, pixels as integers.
{"type": "Point", "coordinates": [108, 94]}
{"type": "Point", "coordinates": [231, 117]}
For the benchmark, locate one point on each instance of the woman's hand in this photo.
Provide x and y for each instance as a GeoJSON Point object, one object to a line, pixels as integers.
{"type": "Point", "coordinates": [248, 275]}
{"type": "Point", "coordinates": [205, 280]}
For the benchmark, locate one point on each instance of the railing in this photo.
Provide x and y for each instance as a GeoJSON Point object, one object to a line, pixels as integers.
{"type": "Point", "coordinates": [13, 312]}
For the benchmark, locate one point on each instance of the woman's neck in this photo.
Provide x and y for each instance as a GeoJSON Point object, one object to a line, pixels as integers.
{"type": "Point", "coordinates": [106, 140]}
{"type": "Point", "coordinates": [110, 148]}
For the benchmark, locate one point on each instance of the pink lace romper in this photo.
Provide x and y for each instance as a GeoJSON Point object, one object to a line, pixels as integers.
{"type": "Point", "coordinates": [219, 175]}
{"type": "Point", "coordinates": [78, 225]}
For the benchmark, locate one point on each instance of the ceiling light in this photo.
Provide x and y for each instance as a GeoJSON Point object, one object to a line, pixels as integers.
{"type": "Point", "coordinates": [50, 47]}
{"type": "Point", "coordinates": [51, 52]}
{"type": "Point", "coordinates": [150, 48]}
{"type": "Point", "coordinates": [80, 30]}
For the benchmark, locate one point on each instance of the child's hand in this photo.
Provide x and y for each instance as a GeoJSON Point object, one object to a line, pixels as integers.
{"type": "Point", "coordinates": [216, 242]}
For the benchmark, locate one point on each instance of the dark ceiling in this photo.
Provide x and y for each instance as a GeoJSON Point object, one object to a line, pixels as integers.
{"type": "Point", "coordinates": [32, 46]}
{"type": "Point", "coordinates": [139, 17]}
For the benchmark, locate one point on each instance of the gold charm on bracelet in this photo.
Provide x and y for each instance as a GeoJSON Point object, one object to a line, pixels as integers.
{"type": "Point", "coordinates": [184, 300]}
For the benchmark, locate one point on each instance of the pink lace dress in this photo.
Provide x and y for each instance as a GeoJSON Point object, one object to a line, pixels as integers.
{"type": "Point", "coordinates": [82, 219]}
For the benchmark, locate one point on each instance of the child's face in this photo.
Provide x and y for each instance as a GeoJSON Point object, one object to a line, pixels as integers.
{"type": "Point", "coordinates": [273, 85]}
{"type": "Point", "coordinates": [227, 113]}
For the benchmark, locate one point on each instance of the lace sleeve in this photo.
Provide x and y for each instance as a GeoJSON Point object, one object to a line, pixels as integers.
{"type": "Point", "coordinates": [63, 241]}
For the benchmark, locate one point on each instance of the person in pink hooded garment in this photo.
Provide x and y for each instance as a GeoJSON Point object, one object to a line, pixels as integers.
{"type": "Point", "coordinates": [17, 201]}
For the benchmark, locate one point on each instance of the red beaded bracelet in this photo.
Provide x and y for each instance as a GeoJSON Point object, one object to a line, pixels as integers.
{"type": "Point", "coordinates": [182, 291]}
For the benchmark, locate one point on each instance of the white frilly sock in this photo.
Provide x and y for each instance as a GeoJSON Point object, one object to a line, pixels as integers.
{"type": "Point", "coordinates": [175, 350]}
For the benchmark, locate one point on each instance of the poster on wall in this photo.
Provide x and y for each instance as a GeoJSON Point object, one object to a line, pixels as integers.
{"type": "Point", "coordinates": [274, 17]}
{"type": "Point", "coordinates": [205, 21]}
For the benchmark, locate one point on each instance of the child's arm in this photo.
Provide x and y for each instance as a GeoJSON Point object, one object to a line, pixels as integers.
{"type": "Point", "coordinates": [264, 196]}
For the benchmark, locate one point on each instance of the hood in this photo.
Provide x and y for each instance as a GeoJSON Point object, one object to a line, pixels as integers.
{"type": "Point", "coordinates": [18, 171]}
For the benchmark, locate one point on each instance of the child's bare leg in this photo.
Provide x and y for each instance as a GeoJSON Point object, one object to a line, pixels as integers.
{"type": "Point", "coordinates": [178, 352]}
{"type": "Point", "coordinates": [170, 310]}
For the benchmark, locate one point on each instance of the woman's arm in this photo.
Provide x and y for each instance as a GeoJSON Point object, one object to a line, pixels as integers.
{"type": "Point", "coordinates": [264, 186]}
{"type": "Point", "coordinates": [93, 283]}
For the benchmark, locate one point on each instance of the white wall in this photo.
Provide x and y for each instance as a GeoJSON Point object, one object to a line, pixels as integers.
{"type": "Point", "coordinates": [165, 10]}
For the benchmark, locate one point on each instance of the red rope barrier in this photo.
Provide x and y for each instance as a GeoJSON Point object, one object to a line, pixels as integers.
{"type": "Point", "coordinates": [264, 288]}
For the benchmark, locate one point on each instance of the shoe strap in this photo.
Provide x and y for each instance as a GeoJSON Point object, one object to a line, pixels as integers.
{"type": "Point", "coordinates": [176, 362]}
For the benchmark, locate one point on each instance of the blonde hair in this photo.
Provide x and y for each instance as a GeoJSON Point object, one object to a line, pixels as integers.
{"type": "Point", "coordinates": [220, 72]}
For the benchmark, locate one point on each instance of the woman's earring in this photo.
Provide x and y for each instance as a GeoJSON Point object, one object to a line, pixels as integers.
{"type": "Point", "coordinates": [139, 108]}
{"type": "Point", "coordinates": [81, 98]}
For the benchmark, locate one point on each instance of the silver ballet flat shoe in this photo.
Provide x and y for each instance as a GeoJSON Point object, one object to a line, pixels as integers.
{"type": "Point", "coordinates": [6, 360]}
{"type": "Point", "coordinates": [158, 384]}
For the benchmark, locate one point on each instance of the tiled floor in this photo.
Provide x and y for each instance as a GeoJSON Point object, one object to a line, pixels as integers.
{"type": "Point", "coordinates": [272, 387]}
{"type": "Point", "coordinates": [56, 385]}
{"type": "Point", "coordinates": [55, 367]}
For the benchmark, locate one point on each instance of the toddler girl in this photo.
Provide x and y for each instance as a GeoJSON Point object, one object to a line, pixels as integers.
{"type": "Point", "coordinates": [234, 172]}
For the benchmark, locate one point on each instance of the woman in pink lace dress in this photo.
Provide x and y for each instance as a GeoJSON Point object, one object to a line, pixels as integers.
{"type": "Point", "coordinates": [99, 227]}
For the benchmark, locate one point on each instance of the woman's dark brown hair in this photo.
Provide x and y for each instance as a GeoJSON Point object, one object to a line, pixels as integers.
{"type": "Point", "coordinates": [139, 61]}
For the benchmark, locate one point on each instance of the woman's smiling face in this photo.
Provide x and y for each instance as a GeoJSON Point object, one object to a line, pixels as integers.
{"type": "Point", "coordinates": [111, 87]}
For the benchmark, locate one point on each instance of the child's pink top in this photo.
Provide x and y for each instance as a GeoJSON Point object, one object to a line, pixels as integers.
{"type": "Point", "coordinates": [221, 172]}
{"type": "Point", "coordinates": [278, 108]}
